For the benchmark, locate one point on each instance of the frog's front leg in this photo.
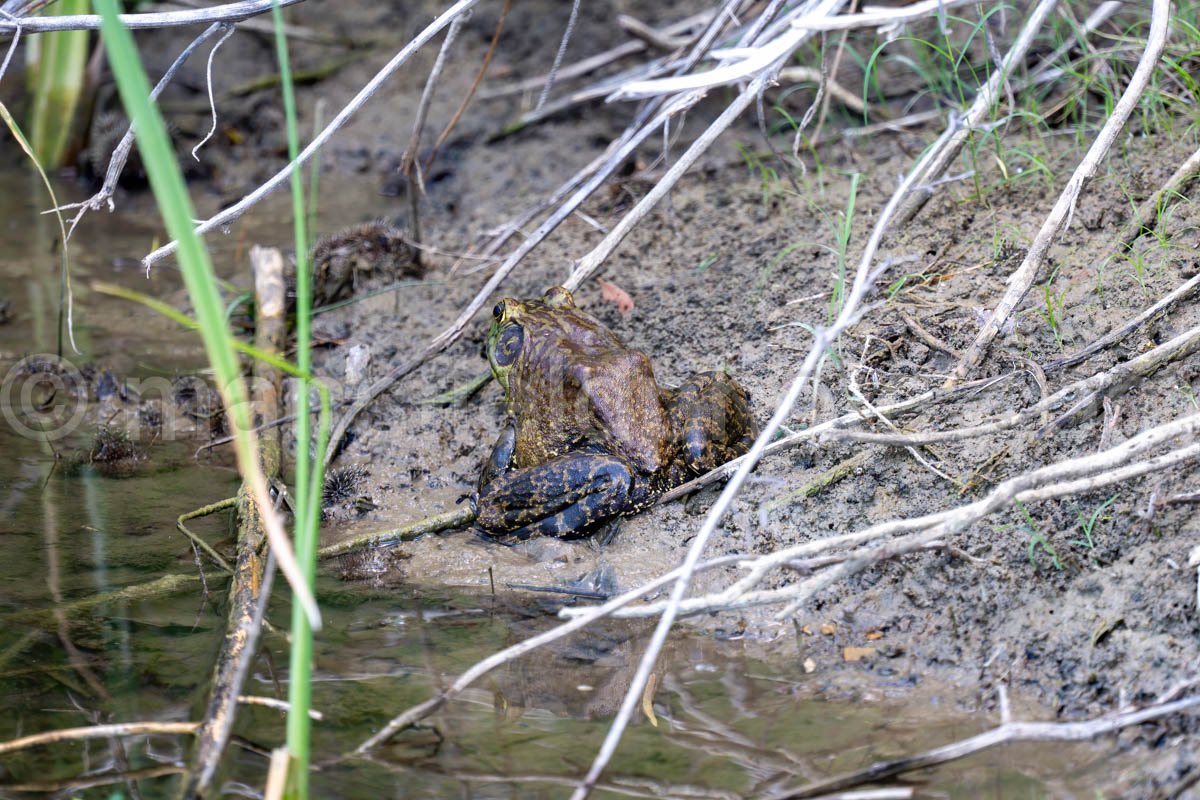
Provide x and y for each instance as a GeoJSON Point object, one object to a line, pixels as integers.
{"type": "Point", "coordinates": [565, 497]}
{"type": "Point", "coordinates": [501, 458]}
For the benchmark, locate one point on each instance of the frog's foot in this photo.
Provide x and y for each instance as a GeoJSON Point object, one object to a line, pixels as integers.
{"type": "Point", "coordinates": [607, 531]}
{"type": "Point", "coordinates": [711, 416]}
{"type": "Point", "coordinates": [565, 497]}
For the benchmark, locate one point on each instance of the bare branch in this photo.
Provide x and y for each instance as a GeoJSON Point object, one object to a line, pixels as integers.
{"type": "Point", "coordinates": [229, 12]}
{"type": "Point", "coordinates": [120, 155]}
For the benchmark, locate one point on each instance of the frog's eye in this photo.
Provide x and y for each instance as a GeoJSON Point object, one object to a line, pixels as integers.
{"type": "Point", "coordinates": [498, 311]}
{"type": "Point", "coordinates": [508, 345]}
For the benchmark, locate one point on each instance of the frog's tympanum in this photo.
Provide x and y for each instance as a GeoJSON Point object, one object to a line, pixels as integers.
{"type": "Point", "coordinates": [589, 434]}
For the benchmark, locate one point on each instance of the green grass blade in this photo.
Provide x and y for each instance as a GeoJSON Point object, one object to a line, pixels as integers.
{"type": "Point", "coordinates": [309, 470]}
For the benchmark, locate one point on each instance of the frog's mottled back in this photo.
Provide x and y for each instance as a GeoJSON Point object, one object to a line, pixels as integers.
{"type": "Point", "coordinates": [590, 434]}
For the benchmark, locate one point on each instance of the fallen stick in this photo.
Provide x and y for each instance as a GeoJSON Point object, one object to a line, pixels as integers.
{"type": "Point", "coordinates": [460, 517]}
{"type": "Point", "coordinates": [1110, 383]}
{"type": "Point", "coordinates": [1117, 334]}
{"type": "Point", "coordinates": [97, 732]}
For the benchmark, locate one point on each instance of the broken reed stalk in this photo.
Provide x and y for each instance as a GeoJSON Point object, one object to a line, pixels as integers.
{"type": "Point", "coordinates": [177, 211]}
{"type": "Point", "coordinates": [247, 593]}
{"type": "Point", "coordinates": [1022, 279]}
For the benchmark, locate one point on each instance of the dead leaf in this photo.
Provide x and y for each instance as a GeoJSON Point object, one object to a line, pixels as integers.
{"type": "Point", "coordinates": [648, 699]}
{"type": "Point", "coordinates": [809, 665]}
{"type": "Point", "coordinates": [857, 653]}
{"type": "Point", "coordinates": [873, 635]}
{"type": "Point", "coordinates": [611, 293]}
{"type": "Point", "coordinates": [828, 628]}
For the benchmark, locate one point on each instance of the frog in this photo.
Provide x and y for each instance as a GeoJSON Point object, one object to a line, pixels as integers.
{"type": "Point", "coordinates": [589, 435]}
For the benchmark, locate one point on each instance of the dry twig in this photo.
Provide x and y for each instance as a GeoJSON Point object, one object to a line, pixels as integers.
{"type": "Point", "coordinates": [278, 179]}
{"type": "Point", "coordinates": [1059, 218]}
{"type": "Point", "coordinates": [228, 12]}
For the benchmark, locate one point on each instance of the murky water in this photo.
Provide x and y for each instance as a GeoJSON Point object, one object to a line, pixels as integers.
{"type": "Point", "coordinates": [77, 648]}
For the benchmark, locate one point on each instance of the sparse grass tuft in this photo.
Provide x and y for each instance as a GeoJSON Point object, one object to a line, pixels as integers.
{"type": "Point", "coordinates": [1088, 524]}
{"type": "Point", "coordinates": [1038, 542]}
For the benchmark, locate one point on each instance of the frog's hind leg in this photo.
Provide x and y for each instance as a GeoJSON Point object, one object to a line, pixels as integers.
{"type": "Point", "coordinates": [711, 417]}
{"type": "Point", "coordinates": [565, 497]}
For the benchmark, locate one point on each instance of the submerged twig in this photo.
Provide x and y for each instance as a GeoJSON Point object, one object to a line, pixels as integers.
{"type": "Point", "coordinates": [1005, 733]}
{"type": "Point", "coordinates": [203, 511]}
{"type": "Point", "coordinates": [97, 732]}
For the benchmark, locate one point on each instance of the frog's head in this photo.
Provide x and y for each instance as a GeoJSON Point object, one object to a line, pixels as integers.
{"type": "Point", "coordinates": [513, 321]}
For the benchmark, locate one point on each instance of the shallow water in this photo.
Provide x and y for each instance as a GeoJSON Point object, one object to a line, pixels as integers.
{"type": "Point", "coordinates": [731, 722]}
